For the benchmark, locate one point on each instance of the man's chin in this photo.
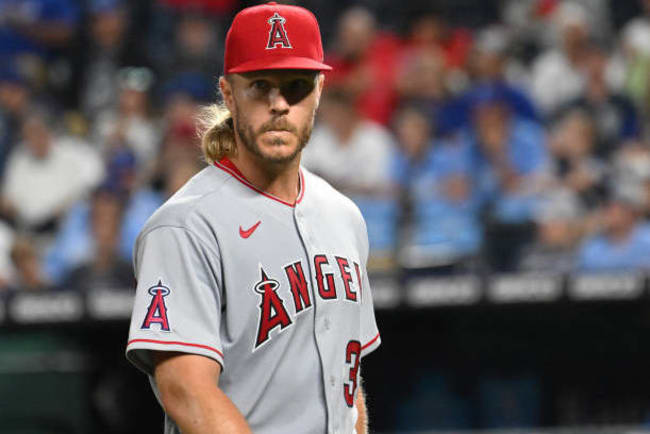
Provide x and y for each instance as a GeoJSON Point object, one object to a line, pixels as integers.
{"type": "Point", "coordinates": [279, 157]}
{"type": "Point", "coordinates": [278, 153]}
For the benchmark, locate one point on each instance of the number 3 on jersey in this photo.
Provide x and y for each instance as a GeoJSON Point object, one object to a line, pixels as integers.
{"type": "Point", "coordinates": [350, 389]}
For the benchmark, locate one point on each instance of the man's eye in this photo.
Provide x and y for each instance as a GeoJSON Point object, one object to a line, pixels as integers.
{"type": "Point", "coordinates": [261, 85]}
{"type": "Point", "coordinates": [300, 86]}
{"type": "Point", "coordinates": [296, 90]}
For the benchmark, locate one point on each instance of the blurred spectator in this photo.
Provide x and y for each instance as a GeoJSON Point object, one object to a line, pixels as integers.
{"type": "Point", "coordinates": [14, 101]}
{"type": "Point", "coordinates": [183, 96]}
{"type": "Point", "coordinates": [26, 261]}
{"type": "Point", "coordinates": [510, 158]}
{"type": "Point", "coordinates": [559, 228]}
{"type": "Point", "coordinates": [442, 228]}
{"type": "Point", "coordinates": [557, 74]}
{"type": "Point", "coordinates": [529, 23]}
{"type": "Point", "coordinates": [196, 48]}
{"type": "Point", "coordinates": [576, 167]}
{"type": "Point", "coordinates": [78, 238]}
{"type": "Point", "coordinates": [421, 82]}
{"type": "Point", "coordinates": [459, 113]}
{"type": "Point", "coordinates": [430, 37]}
{"type": "Point", "coordinates": [109, 51]}
{"type": "Point", "coordinates": [73, 243]}
{"type": "Point", "coordinates": [635, 44]}
{"type": "Point", "coordinates": [488, 66]}
{"type": "Point", "coordinates": [631, 165]}
{"type": "Point", "coordinates": [613, 114]}
{"type": "Point", "coordinates": [532, 22]}
{"type": "Point", "coordinates": [414, 134]}
{"type": "Point", "coordinates": [103, 268]}
{"type": "Point", "coordinates": [429, 31]}
{"type": "Point", "coordinates": [489, 58]}
{"type": "Point", "coordinates": [46, 173]}
{"type": "Point", "coordinates": [129, 125]}
{"type": "Point", "coordinates": [624, 243]}
{"type": "Point", "coordinates": [491, 65]}
{"type": "Point", "coordinates": [510, 167]}
{"type": "Point", "coordinates": [180, 145]}
{"type": "Point", "coordinates": [365, 64]}
{"type": "Point", "coordinates": [122, 172]}
{"type": "Point", "coordinates": [35, 26]}
{"type": "Point", "coordinates": [350, 152]}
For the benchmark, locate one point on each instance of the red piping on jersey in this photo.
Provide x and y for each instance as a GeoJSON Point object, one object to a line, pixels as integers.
{"type": "Point", "coordinates": [153, 341]}
{"type": "Point", "coordinates": [228, 166]}
{"type": "Point", "coordinates": [372, 341]}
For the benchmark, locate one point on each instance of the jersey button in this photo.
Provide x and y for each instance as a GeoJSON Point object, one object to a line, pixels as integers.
{"type": "Point", "coordinates": [332, 381]}
{"type": "Point", "coordinates": [326, 323]}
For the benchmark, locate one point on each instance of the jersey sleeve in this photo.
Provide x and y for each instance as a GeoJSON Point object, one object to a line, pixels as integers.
{"type": "Point", "coordinates": [178, 297]}
{"type": "Point", "coordinates": [370, 338]}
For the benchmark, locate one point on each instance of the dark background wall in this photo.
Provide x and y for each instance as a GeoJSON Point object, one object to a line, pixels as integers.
{"type": "Point", "coordinates": [560, 364]}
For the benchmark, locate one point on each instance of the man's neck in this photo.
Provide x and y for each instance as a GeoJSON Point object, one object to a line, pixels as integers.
{"type": "Point", "coordinates": [279, 180]}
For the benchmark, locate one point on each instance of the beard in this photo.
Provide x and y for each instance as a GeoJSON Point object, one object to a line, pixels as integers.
{"type": "Point", "coordinates": [249, 136]}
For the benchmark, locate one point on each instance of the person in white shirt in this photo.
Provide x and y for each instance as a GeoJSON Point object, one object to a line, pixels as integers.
{"type": "Point", "coordinates": [46, 173]}
{"type": "Point", "coordinates": [557, 74]}
{"type": "Point", "coordinates": [350, 152]}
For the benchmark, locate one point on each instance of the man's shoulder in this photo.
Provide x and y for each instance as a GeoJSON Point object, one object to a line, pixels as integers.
{"type": "Point", "coordinates": [328, 196]}
{"type": "Point", "coordinates": [185, 207]}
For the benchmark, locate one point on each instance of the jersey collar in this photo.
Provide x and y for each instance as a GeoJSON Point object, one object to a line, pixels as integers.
{"type": "Point", "coordinates": [229, 167]}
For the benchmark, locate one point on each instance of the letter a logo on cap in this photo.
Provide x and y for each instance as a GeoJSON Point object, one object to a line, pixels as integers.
{"type": "Point", "coordinates": [277, 34]}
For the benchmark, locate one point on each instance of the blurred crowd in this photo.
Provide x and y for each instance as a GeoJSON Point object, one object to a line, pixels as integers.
{"type": "Point", "coordinates": [520, 144]}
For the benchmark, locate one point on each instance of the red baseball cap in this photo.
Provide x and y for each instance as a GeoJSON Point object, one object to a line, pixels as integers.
{"type": "Point", "coordinates": [273, 36]}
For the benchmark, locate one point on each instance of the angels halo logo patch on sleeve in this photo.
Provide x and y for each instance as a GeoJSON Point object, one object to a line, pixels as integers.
{"type": "Point", "coordinates": [157, 310]}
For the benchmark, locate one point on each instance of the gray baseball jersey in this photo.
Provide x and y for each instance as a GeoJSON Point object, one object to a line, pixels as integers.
{"type": "Point", "coordinates": [275, 292]}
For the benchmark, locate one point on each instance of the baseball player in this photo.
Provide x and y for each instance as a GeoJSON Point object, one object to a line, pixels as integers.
{"type": "Point", "coordinates": [253, 308]}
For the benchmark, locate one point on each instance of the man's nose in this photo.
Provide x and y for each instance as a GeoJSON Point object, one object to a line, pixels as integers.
{"type": "Point", "coordinates": [278, 103]}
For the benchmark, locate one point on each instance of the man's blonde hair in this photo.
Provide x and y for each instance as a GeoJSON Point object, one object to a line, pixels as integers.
{"type": "Point", "coordinates": [217, 132]}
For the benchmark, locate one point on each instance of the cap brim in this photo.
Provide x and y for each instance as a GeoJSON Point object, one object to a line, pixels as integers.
{"type": "Point", "coordinates": [280, 63]}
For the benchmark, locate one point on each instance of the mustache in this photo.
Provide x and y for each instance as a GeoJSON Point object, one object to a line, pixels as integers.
{"type": "Point", "coordinates": [280, 124]}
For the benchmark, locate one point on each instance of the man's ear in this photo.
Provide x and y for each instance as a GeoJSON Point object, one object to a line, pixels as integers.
{"type": "Point", "coordinates": [226, 91]}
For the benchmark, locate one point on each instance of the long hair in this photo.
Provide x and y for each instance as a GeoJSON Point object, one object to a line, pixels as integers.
{"type": "Point", "coordinates": [217, 132]}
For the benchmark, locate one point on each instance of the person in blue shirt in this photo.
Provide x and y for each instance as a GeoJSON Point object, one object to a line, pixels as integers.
{"type": "Point", "coordinates": [510, 160]}
{"type": "Point", "coordinates": [488, 66]}
{"type": "Point", "coordinates": [73, 243]}
{"type": "Point", "coordinates": [623, 244]}
{"type": "Point", "coordinates": [510, 170]}
{"type": "Point", "coordinates": [435, 176]}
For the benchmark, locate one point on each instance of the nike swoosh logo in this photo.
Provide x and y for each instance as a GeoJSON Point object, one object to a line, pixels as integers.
{"type": "Point", "coordinates": [248, 232]}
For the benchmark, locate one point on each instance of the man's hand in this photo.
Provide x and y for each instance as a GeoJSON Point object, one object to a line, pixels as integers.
{"type": "Point", "coordinates": [188, 386]}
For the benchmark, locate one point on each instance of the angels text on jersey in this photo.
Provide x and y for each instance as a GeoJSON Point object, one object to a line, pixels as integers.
{"type": "Point", "coordinates": [337, 278]}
